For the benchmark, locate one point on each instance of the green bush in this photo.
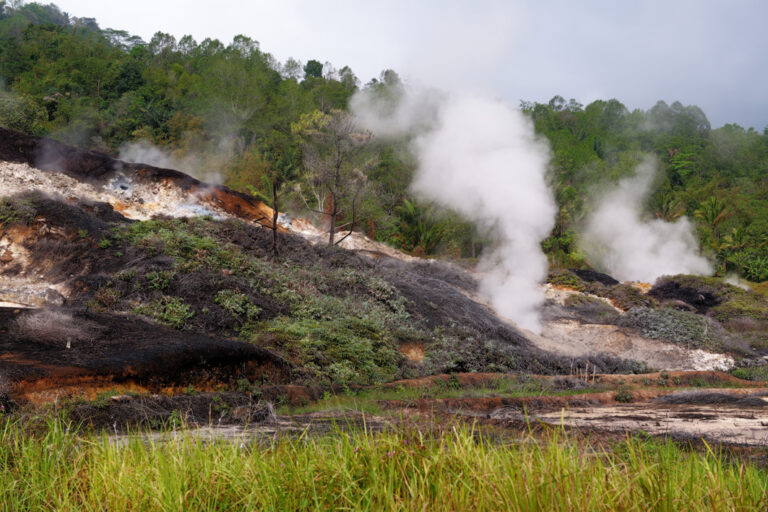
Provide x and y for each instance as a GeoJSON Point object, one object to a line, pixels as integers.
{"type": "Point", "coordinates": [22, 113]}
{"type": "Point", "coordinates": [759, 373]}
{"type": "Point", "coordinates": [566, 278]}
{"type": "Point", "coordinates": [627, 297]}
{"type": "Point", "coordinates": [345, 350]}
{"type": "Point", "coordinates": [237, 303]}
{"type": "Point", "coordinates": [167, 310]}
{"type": "Point", "coordinates": [624, 396]}
{"type": "Point", "coordinates": [675, 326]}
{"type": "Point", "coordinates": [160, 280]}
{"type": "Point", "coordinates": [16, 211]}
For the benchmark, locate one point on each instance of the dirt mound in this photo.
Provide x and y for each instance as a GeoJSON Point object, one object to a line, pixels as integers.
{"type": "Point", "coordinates": [591, 276]}
{"type": "Point", "coordinates": [702, 299]}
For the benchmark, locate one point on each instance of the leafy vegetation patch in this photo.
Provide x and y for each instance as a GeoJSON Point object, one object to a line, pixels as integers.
{"type": "Point", "coordinates": [344, 350]}
{"type": "Point", "coordinates": [759, 373]}
{"type": "Point", "coordinates": [676, 326]}
{"type": "Point", "coordinates": [14, 210]}
{"type": "Point", "coordinates": [167, 310]}
{"type": "Point", "coordinates": [566, 278]}
{"type": "Point", "coordinates": [340, 324]}
{"type": "Point", "coordinates": [743, 313]}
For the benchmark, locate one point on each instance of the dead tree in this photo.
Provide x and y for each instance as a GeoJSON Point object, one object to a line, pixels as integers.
{"type": "Point", "coordinates": [333, 157]}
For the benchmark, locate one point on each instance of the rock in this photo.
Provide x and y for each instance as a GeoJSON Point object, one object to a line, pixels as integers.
{"type": "Point", "coordinates": [680, 305]}
{"type": "Point", "coordinates": [53, 297]}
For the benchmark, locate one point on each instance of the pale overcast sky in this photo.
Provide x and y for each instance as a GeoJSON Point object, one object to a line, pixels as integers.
{"type": "Point", "coordinates": [704, 52]}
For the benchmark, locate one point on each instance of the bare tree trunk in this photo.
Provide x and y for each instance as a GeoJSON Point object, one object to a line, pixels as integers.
{"type": "Point", "coordinates": [274, 219]}
{"type": "Point", "coordinates": [352, 225]}
{"type": "Point", "coordinates": [332, 228]}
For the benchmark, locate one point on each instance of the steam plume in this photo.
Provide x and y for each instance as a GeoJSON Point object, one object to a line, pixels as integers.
{"type": "Point", "coordinates": [201, 166]}
{"type": "Point", "coordinates": [631, 248]}
{"type": "Point", "coordinates": [482, 158]}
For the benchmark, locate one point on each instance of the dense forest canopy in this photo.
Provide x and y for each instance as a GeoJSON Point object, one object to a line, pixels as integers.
{"type": "Point", "coordinates": [234, 108]}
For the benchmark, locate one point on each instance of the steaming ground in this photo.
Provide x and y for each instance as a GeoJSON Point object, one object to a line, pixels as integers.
{"type": "Point", "coordinates": [198, 166]}
{"type": "Point", "coordinates": [622, 243]}
{"type": "Point", "coordinates": [573, 339]}
{"type": "Point", "coordinates": [439, 288]}
{"type": "Point", "coordinates": [482, 158]}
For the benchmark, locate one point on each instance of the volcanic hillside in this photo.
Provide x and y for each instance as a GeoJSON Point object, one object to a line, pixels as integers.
{"type": "Point", "coordinates": [115, 273]}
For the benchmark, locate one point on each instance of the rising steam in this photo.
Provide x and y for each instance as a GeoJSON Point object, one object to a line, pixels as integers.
{"type": "Point", "coordinates": [202, 166]}
{"type": "Point", "coordinates": [481, 157]}
{"type": "Point", "coordinates": [623, 243]}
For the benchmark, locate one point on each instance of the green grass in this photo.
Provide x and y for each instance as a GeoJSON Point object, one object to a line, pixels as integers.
{"type": "Point", "coordinates": [367, 400]}
{"type": "Point", "coordinates": [458, 469]}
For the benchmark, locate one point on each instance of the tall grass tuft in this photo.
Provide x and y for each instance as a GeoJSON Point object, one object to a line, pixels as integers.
{"type": "Point", "coordinates": [457, 469]}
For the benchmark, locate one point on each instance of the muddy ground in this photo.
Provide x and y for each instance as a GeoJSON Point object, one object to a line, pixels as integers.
{"type": "Point", "coordinates": [682, 406]}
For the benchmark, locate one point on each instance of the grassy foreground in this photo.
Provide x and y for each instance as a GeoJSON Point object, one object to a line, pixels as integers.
{"type": "Point", "coordinates": [409, 470]}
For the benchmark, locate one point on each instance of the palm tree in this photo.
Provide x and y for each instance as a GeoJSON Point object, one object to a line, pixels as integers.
{"type": "Point", "coordinates": [666, 207]}
{"type": "Point", "coordinates": [419, 231]}
{"type": "Point", "coordinates": [732, 247]}
{"type": "Point", "coordinates": [736, 239]}
{"type": "Point", "coordinates": [713, 212]}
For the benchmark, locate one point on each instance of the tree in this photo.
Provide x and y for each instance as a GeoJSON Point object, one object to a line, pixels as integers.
{"type": "Point", "coordinates": [334, 159]}
{"type": "Point", "coordinates": [281, 168]}
{"type": "Point", "coordinates": [418, 229]}
{"type": "Point", "coordinates": [666, 206]}
{"type": "Point", "coordinates": [313, 68]}
{"type": "Point", "coordinates": [348, 79]}
{"type": "Point", "coordinates": [713, 212]}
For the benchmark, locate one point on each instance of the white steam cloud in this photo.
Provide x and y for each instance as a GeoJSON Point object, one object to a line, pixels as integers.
{"type": "Point", "coordinates": [623, 243]}
{"type": "Point", "coordinates": [203, 167]}
{"type": "Point", "coordinates": [482, 158]}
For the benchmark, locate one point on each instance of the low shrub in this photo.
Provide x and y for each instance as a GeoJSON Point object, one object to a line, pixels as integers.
{"type": "Point", "coordinates": [759, 373]}
{"type": "Point", "coordinates": [676, 326]}
{"type": "Point", "coordinates": [345, 350]}
{"type": "Point", "coordinates": [106, 298]}
{"type": "Point", "coordinates": [591, 310]}
{"type": "Point", "coordinates": [159, 280]}
{"type": "Point", "coordinates": [567, 279]}
{"type": "Point", "coordinates": [14, 210]}
{"type": "Point", "coordinates": [624, 396]}
{"type": "Point", "coordinates": [167, 310]}
{"type": "Point", "coordinates": [626, 297]}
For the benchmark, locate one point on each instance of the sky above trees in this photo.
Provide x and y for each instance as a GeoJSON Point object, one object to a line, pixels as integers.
{"type": "Point", "coordinates": [708, 53]}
